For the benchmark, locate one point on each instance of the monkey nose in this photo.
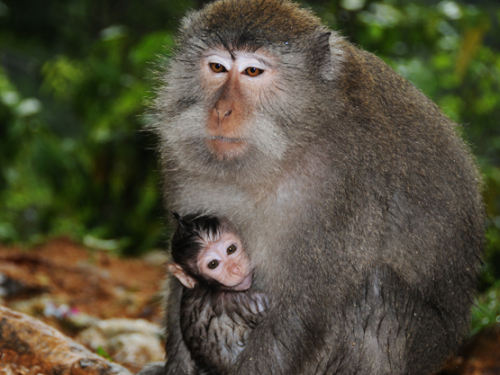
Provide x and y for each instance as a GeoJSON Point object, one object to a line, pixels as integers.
{"type": "Point", "coordinates": [223, 112]}
{"type": "Point", "coordinates": [236, 270]}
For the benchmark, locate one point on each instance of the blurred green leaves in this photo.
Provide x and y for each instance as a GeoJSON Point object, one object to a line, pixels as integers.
{"type": "Point", "coordinates": [487, 310]}
{"type": "Point", "coordinates": [74, 160]}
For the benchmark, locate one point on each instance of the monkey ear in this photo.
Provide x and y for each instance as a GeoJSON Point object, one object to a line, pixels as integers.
{"type": "Point", "coordinates": [327, 43]}
{"type": "Point", "coordinates": [323, 41]}
{"type": "Point", "coordinates": [181, 275]}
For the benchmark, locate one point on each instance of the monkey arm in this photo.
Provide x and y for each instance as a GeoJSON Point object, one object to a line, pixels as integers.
{"type": "Point", "coordinates": [156, 368]}
{"type": "Point", "coordinates": [298, 321]}
{"type": "Point", "coordinates": [278, 344]}
{"type": "Point", "coordinates": [179, 361]}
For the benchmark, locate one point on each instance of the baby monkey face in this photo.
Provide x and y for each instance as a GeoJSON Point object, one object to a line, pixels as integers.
{"type": "Point", "coordinates": [225, 261]}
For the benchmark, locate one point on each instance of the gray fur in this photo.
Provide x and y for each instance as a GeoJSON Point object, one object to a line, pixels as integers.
{"type": "Point", "coordinates": [358, 203]}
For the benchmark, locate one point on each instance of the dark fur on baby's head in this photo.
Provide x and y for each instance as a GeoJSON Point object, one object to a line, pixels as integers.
{"type": "Point", "coordinates": [194, 233]}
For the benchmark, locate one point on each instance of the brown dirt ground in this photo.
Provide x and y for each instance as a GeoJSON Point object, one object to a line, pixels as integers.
{"type": "Point", "coordinates": [90, 281]}
{"type": "Point", "coordinates": [105, 286]}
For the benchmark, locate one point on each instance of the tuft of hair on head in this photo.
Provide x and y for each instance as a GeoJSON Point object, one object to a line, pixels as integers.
{"type": "Point", "coordinates": [194, 233]}
{"type": "Point", "coordinates": [182, 225]}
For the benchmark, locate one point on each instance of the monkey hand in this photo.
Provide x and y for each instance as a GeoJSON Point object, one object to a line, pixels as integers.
{"type": "Point", "coordinates": [156, 368]}
{"type": "Point", "coordinates": [274, 347]}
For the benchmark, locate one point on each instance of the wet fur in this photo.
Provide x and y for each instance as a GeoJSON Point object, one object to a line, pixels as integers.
{"type": "Point", "coordinates": [365, 228]}
{"type": "Point", "coordinates": [216, 324]}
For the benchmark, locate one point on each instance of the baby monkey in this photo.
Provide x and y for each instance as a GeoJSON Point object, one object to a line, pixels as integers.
{"type": "Point", "coordinates": [218, 311]}
{"type": "Point", "coordinates": [208, 250]}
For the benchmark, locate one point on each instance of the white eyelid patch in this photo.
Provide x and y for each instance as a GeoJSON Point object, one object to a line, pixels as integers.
{"type": "Point", "coordinates": [217, 59]}
{"type": "Point", "coordinates": [245, 62]}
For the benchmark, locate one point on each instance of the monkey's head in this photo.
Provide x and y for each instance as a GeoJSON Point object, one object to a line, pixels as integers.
{"type": "Point", "coordinates": [234, 89]}
{"type": "Point", "coordinates": [208, 250]}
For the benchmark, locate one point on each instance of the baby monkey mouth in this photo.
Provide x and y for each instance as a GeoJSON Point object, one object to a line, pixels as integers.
{"type": "Point", "coordinates": [244, 285]}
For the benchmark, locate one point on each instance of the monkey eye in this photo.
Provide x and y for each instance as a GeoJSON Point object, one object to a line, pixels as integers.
{"type": "Point", "coordinates": [213, 264]}
{"type": "Point", "coordinates": [253, 72]}
{"type": "Point", "coordinates": [231, 249]}
{"type": "Point", "coordinates": [217, 68]}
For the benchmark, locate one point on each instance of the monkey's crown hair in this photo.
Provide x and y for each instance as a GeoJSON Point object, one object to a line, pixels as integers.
{"type": "Point", "coordinates": [244, 21]}
{"type": "Point", "coordinates": [192, 234]}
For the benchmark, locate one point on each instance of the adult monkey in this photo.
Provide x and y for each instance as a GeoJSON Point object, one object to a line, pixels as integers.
{"type": "Point", "coordinates": [358, 204]}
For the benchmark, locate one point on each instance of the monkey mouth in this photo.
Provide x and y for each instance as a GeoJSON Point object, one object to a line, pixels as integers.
{"type": "Point", "coordinates": [227, 148]}
{"type": "Point", "coordinates": [225, 139]}
{"type": "Point", "coordinates": [244, 285]}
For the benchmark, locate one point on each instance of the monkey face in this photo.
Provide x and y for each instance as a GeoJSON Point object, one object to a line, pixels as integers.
{"type": "Point", "coordinates": [235, 81]}
{"type": "Point", "coordinates": [226, 262]}
{"type": "Point", "coordinates": [226, 117]}
{"type": "Point", "coordinates": [237, 106]}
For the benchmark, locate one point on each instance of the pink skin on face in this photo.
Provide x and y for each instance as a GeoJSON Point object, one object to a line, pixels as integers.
{"type": "Point", "coordinates": [226, 262]}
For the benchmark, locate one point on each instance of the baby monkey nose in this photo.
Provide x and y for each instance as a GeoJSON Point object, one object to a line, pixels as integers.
{"type": "Point", "coordinates": [236, 269]}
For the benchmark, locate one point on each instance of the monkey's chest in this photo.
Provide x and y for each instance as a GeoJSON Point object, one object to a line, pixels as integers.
{"type": "Point", "coordinates": [216, 325]}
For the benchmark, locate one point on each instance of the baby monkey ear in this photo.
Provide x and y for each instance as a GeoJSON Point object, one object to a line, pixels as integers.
{"type": "Point", "coordinates": [181, 275]}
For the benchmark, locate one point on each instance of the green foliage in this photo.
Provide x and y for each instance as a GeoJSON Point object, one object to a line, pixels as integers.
{"type": "Point", "coordinates": [487, 310]}
{"type": "Point", "coordinates": [74, 160]}
{"type": "Point", "coordinates": [103, 353]}
{"type": "Point", "coordinates": [75, 77]}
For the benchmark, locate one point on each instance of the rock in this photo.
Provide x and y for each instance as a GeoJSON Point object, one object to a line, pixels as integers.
{"type": "Point", "coordinates": [13, 369]}
{"type": "Point", "coordinates": [132, 342]}
{"type": "Point", "coordinates": [104, 330]}
{"type": "Point", "coordinates": [135, 350]}
{"type": "Point", "coordinates": [32, 344]}
{"type": "Point", "coordinates": [36, 306]}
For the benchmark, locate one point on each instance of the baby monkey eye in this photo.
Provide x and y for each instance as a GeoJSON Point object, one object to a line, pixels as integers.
{"type": "Point", "coordinates": [253, 72]}
{"type": "Point", "coordinates": [213, 264]}
{"type": "Point", "coordinates": [231, 249]}
{"type": "Point", "coordinates": [217, 68]}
